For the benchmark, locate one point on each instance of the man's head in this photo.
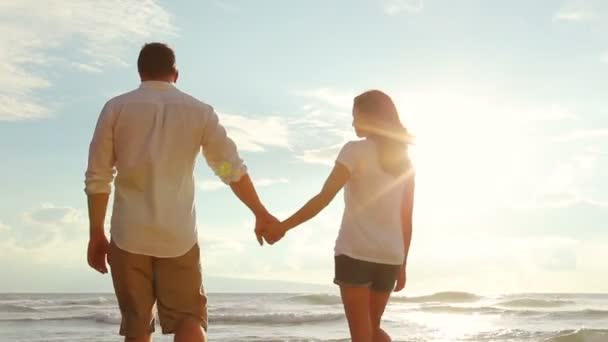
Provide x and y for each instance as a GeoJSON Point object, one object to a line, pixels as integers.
{"type": "Point", "coordinates": [156, 62]}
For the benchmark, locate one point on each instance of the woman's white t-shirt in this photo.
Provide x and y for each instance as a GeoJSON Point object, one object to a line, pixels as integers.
{"type": "Point", "coordinates": [371, 227]}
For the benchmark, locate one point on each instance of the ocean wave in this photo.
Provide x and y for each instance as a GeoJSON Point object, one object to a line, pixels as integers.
{"type": "Point", "coordinates": [83, 301]}
{"type": "Point", "coordinates": [588, 314]}
{"type": "Point", "coordinates": [507, 335]}
{"type": "Point", "coordinates": [442, 297]}
{"type": "Point", "coordinates": [107, 318]}
{"type": "Point", "coordinates": [43, 303]}
{"type": "Point", "coordinates": [272, 318]}
{"type": "Point", "coordinates": [581, 335]}
{"type": "Point", "coordinates": [16, 308]}
{"type": "Point", "coordinates": [491, 310]}
{"type": "Point", "coordinates": [275, 318]}
{"type": "Point", "coordinates": [461, 309]}
{"type": "Point", "coordinates": [535, 303]}
{"type": "Point", "coordinates": [316, 299]}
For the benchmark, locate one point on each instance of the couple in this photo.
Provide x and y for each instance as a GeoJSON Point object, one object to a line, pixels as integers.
{"type": "Point", "coordinates": [146, 142]}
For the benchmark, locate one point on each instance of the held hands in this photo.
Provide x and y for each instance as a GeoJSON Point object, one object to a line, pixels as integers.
{"type": "Point", "coordinates": [275, 232]}
{"type": "Point", "coordinates": [262, 221]}
{"type": "Point", "coordinates": [269, 228]}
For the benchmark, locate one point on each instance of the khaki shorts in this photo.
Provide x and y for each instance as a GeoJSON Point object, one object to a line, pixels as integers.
{"type": "Point", "coordinates": [173, 284]}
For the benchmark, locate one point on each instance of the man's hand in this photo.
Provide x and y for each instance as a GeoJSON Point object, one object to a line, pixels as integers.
{"type": "Point", "coordinates": [97, 253]}
{"type": "Point", "coordinates": [262, 221]}
{"type": "Point", "coordinates": [401, 279]}
{"type": "Point", "coordinates": [275, 232]}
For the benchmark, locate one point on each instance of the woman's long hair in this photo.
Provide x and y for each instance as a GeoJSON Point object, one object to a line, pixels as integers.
{"type": "Point", "coordinates": [379, 120]}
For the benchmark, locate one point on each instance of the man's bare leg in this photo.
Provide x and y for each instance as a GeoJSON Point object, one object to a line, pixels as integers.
{"type": "Point", "coordinates": [145, 338]}
{"type": "Point", "coordinates": [190, 330]}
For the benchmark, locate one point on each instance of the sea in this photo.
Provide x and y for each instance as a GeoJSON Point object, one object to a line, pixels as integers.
{"type": "Point", "coordinates": [445, 316]}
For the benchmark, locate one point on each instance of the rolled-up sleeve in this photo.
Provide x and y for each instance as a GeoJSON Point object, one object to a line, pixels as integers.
{"type": "Point", "coordinates": [220, 151]}
{"type": "Point", "coordinates": [100, 170]}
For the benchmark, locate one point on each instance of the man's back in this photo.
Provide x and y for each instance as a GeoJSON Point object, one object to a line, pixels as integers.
{"type": "Point", "coordinates": [152, 136]}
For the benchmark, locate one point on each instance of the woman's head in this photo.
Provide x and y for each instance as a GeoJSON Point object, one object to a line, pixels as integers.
{"type": "Point", "coordinates": [375, 116]}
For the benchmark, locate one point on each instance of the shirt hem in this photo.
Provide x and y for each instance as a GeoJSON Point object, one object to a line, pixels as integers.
{"type": "Point", "coordinates": [369, 259]}
{"type": "Point", "coordinates": [156, 255]}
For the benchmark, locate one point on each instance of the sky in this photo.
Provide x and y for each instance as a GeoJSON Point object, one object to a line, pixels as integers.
{"type": "Point", "coordinates": [507, 101]}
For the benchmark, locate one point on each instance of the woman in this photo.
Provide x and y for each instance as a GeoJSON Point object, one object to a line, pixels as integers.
{"type": "Point", "coordinates": [374, 239]}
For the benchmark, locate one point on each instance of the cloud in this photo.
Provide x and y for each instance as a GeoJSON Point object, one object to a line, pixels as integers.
{"type": "Point", "coordinates": [324, 125]}
{"type": "Point", "coordinates": [320, 126]}
{"type": "Point", "coordinates": [219, 245]}
{"type": "Point", "coordinates": [212, 185]}
{"type": "Point", "coordinates": [567, 185]}
{"type": "Point", "coordinates": [328, 96]}
{"type": "Point", "coordinates": [255, 134]}
{"type": "Point", "coordinates": [87, 67]}
{"type": "Point", "coordinates": [581, 11]}
{"type": "Point", "coordinates": [394, 7]}
{"type": "Point", "coordinates": [35, 36]}
{"type": "Point", "coordinates": [573, 15]}
{"type": "Point", "coordinates": [51, 215]}
{"type": "Point", "coordinates": [4, 228]}
{"type": "Point", "coordinates": [565, 200]}
{"type": "Point", "coordinates": [604, 57]}
{"type": "Point", "coordinates": [53, 250]}
{"type": "Point", "coordinates": [304, 255]}
{"type": "Point", "coordinates": [552, 112]}
{"type": "Point", "coordinates": [573, 11]}
{"type": "Point", "coordinates": [46, 224]}
{"type": "Point", "coordinates": [583, 135]}
{"type": "Point", "coordinates": [269, 181]}
{"type": "Point", "coordinates": [324, 156]}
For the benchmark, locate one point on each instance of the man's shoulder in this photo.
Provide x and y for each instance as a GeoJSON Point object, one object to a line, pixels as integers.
{"type": "Point", "coordinates": [194, 102]}
{"type": "Point", "coordinates": [122, 98]}
{"type": "Point", "coordinates": [180, 96]}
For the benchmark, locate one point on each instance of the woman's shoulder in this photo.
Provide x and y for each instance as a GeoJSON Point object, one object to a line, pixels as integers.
{"type": "Point", "coordinates": [355, 153]}
{"type": "Point", "coordinates": [357, 144]}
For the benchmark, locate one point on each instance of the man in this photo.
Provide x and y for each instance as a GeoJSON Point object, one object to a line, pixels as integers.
{"type": "Point", "coordinates": [150, 138]}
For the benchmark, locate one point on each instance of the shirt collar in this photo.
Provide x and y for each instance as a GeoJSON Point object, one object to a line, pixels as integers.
{"type": "Point", "coordinates": [161, 85]}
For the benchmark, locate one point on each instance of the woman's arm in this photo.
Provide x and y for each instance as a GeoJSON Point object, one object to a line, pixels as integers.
{"type": "Point", "coordinates": [407, 212]}
{"type": "Point", "coordinates": [334, 183]}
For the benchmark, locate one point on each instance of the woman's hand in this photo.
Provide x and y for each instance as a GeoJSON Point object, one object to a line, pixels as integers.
{"type": "Point", "coordinates": [275, 232]}
{"type": "Point", "coordinates": [401, 279]}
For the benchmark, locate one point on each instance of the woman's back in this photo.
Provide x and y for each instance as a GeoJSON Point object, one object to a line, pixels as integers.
{"type": "Point", "coordinates": [371, 227]}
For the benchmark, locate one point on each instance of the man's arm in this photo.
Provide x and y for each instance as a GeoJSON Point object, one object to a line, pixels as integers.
{"type": "Point", "coordinates": [222, 156]}
{"type": "Point", "coordinates": [99, 177]}
{"type": "Point", "coordinates": [98, 204]}
{"type": "Point", "coordinates": [245, 191]}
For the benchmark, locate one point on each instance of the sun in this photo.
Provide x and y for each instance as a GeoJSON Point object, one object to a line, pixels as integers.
{"type": "Point", "coordinates": [467, 156]}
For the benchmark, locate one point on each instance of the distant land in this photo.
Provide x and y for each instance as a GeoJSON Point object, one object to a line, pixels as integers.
{"type": "Point", "coordinates": [87, 281]}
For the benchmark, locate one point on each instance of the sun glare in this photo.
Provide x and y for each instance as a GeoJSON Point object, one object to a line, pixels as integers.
{"type": "Point", "coordinates": [467, 153]}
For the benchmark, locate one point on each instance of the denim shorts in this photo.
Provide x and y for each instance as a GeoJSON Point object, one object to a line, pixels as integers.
{"type": "Point", "coordinates": [351, 272]}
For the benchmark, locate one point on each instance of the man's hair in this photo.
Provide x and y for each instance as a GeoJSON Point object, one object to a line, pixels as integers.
{"type": "Point", "coordinates": [156, 60]}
